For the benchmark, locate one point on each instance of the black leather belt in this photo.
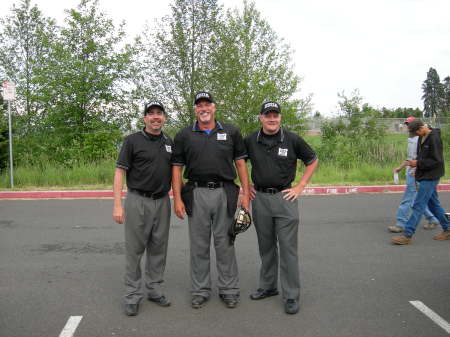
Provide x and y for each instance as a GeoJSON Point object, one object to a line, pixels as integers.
{"type": "Point", "coordinates": [271, 190]}
{"type": "Point", "coordinates": [209, 184]}
{"type": "Point", "coordinates": [148, 194]}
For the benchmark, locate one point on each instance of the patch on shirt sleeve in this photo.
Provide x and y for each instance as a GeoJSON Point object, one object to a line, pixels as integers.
{"type": "Point", "coordinates": [169, 148]}
{"type": "Point", "coordinates": [282, 152]}
{"type": "Point", "coordinates": [221, 136]}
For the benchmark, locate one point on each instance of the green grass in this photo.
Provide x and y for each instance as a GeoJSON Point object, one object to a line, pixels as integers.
{"type": "Point", "coordinates": [397, 138]}
{"type": "Point", "coordinates": [328, 174]}
{"type": "Point", "coordinates": [391, 155]}
{"type": "Point", "coordinates": [47, 176]}
{"type": "Point", "coordinates": [100, 175]}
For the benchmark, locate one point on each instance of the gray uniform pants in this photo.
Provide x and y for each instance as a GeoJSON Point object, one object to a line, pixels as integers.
{"type": "Point", "coordinates": [146, 229]}
{"type": "Point", "coordinates": [210, 217]}
{"type": "Point", "coordinates": [276, 221]}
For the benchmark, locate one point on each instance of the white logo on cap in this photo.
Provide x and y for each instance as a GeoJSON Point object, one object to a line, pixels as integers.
{"type": "Point", "coordinates": [282, 152]}
{"type": "Point", "coordinates": [203, 94]}
{"type": "Point", "coordinates": [221, 136]}
{"type": "Point", "coordinates": [153, 103]}
{"type": "Point", "coordinates": [270, 105]}
{"type": "Point", "coordinates": [169, 148]}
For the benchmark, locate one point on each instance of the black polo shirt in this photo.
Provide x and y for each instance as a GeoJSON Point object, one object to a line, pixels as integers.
{"type": "Point", "coordinates": [146, 159]}
{"type": "Point", "coordinates": [209, 157]}
{"type": "Point", "coordinates": [430, 157]}
{"type": "Point", "coordinates": [274, 158]}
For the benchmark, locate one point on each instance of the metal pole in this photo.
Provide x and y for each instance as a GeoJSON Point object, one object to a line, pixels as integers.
{"type": "Point", "coordinates": [10, 146]}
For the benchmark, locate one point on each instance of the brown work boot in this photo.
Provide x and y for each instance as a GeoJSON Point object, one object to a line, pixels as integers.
{"type": "Point", "coordinates": [395, 229]}
{"type": "Point", "coordinates": [445, 235]}
{"type": "Point", "coordinates": [401, 240]}
{"type": "Point", "coordinates": [430, 225]}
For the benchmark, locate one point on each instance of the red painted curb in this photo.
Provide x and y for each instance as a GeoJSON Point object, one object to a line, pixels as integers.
{"type": "Point", "coordinates": [363, 189]}
{"type": "Point", "coordinates": [109, 194]}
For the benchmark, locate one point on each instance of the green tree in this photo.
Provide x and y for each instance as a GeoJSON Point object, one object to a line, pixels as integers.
{"type": "Point", "coordinates": [250, 65]}
{"type": "Point", "coordinates": [235, 55]}
{"type": "Point", "coordinates": [350, 106]}
{"type": "Point", "coordinates": [4, 137]}
{"type": "Point", "coordinates": [446, 99]}
{"type": "Point", "coordinates": [87, 90]}
{"type": "Point", "coordinates": [355, 136]}
{"type": "Point", "coordinates": [317, 115]}
{"type": "Point", "coordinates": [176, 58]}
{"type": "Point", "coordinates": [22, 49]}
{"type": "Point", "coordinates": [432, 94]}
{"type": "Point", "coordinates": [400, 112]}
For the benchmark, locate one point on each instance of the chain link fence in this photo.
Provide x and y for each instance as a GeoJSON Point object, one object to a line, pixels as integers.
{"type": "Point", "coordinates": [391, 125]}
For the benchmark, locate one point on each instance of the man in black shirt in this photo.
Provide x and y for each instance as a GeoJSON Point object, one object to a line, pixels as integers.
{"type": "Point", "coordinates": [145, 159]}
{"type": "Point", "coordinates": [210, 150]}
{"type": "Point", "coordinates": [430, 168]}
{"type": "Point", "coordinates": [273, 152]}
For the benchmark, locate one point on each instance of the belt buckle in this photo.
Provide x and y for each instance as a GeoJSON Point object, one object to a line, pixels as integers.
{"type": "Point", "coordinates": [211, 185]}
{"type": "Point", "coordinates": [272, 190]}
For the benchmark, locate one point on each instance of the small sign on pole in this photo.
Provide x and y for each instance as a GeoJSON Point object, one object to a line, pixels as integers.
{"type": "Point", "coordinates": [9, 94]}
{"type": "Point", "coordinates": [9, 91]}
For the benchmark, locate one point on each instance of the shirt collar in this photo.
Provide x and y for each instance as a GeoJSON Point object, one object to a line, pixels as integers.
{"type": "Point", "coordinates": [280, 135]}
{"type": "Point", "coordinates": [146, 136]}
{"type": "Point", "coordinates": [195, 127]}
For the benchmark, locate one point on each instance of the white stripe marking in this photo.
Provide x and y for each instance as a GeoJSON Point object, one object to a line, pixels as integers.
{"type": "Point", "coordinates": [71, 326]}
{"type": "Point", "coordinates": [432, 315]}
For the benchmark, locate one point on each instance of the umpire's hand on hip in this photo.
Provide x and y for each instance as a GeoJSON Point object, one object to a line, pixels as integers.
{"type": "Point", "coordinates": [292, 193]}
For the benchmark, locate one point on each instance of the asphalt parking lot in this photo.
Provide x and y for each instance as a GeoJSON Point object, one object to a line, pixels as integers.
{"type": "Point", "coordinates": [64, 258]}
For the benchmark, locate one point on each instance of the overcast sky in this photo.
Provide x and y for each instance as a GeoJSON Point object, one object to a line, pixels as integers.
{"type": "Point", "coordinates": [384, 48]}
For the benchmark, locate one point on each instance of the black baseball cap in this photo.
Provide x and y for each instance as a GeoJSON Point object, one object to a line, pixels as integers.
{"type": "Point", "coordinates": [415, 125]}
{"type": "Point", "coordinates": [270, 106]}
{"type": "Point", "coordinates": [203, 95]}
{"type": "Point", "coordinates": [152, 104]}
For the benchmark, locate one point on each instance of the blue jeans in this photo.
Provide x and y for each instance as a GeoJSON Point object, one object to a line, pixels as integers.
{"type": "Point", "coordinates": [404, 209]}
{"type": "Point", "coordinates": [426, 195]}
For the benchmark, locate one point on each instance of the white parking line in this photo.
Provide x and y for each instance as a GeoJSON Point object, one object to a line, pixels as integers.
{"type": "Point", "coordinates": [71, 326]}
{"type": "Point", "coordinates": [432, 315]}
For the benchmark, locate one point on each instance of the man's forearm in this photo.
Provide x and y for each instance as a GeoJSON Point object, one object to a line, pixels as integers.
{"type": "Point", "coordinates": [177, 182]}
{"type": "Point", "coordinates": [117, 186]}
{"type": "Point", "coordinates": [243, 176]}
{"type": "Point", "coordinates": [309, 170]}
{"type": "Point", "coordinates": [403, 165]}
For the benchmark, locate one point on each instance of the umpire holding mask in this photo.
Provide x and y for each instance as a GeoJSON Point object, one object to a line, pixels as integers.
{"type": "Point", "coordinates": [273, 153]}
{"type": "Point", "coordinates": [145, 160]}
{"type": "Point", "coordinates": [210, 150]}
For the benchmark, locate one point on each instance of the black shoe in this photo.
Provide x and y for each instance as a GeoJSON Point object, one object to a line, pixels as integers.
{"type": "Point", "coordinates": [162, 301]}
{"type": "Point", "coordinates": [263, 293]}
{"type": "Point", "coordinates": [291, 306]}
{"type": "Point", "coordinates": [131, 309]}
{"type": "Point", "coordinates": [230, 301]}
{"type": "Point", "coordinates": [198, 301]}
